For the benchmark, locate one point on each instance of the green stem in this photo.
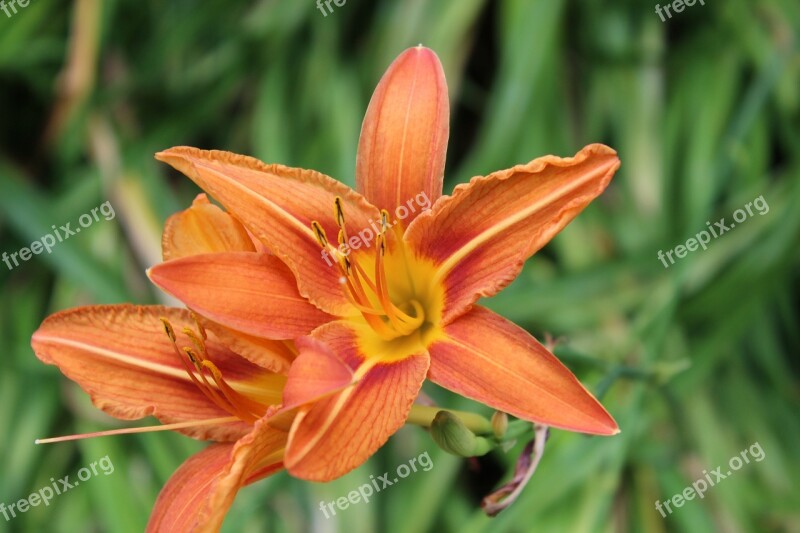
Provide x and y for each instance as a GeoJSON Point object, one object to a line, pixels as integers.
{"type": "Point", "coordinates": [422, 415]}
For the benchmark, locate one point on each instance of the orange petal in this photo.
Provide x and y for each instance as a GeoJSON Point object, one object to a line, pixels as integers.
{"type": "Point", "coordinates": [315, 373]}
{"type": "Point", "coordinates": [401, 152]}
{"type": "Point", "coordinates": [277, 204]}
{"type": "Point", "coordinates": [482, 235]}
{"type": "Point", "coordinates": [248, 292]}
{"type": "Point", "coordinates": [338, 433]}
{"type": "Point", "coordinates": [493, 361]}
{"type": "Point", "coordinates": [202, 229]}
{"type": "Point", "coordinates": [276, 356]}
{"type": "Point", "coordinates": [121, 356]}
{"type": "Point", "coordinates": [198, 495]}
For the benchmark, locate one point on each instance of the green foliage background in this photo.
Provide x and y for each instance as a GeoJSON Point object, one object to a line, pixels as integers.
{"type": "Point", "coordinates": [696, 362]}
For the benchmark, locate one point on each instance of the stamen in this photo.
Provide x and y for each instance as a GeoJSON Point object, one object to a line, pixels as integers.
{"type": "Point", "coordinates": [363, 275]}
{"type": "Point", "coordinates": [220, 394]}
{"type": "Point", "coordinates": [242, 404]}
{"type": "Point", "coordinates": [384, 220]}
{"type": "Point", "coordinates": [200, 327]}
{"type": "Point", "coordinates": [370, 316]}
{"type": "Point", "coordinates": [197, 341]}
{"type": "Point", "coordinates": [145, 429]}
{"type": "Point", "coordinates": [338, 211]}
{"type": "Point", "coordinates": [401, 321]}
{"type": "Point", "coordinates": [205, 387]}
{"type": "Point", "coordinates": [319, 232]}
{"type": "Point", "coordinates": [168, 329]}
{"type": "Point", "coordinates": [342, 236]}
{"type": "Point", "coordinates": [370, 296]}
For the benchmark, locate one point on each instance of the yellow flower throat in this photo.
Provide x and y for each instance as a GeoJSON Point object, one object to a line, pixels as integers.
{"type": "Point", "coordinates": [387, 285]}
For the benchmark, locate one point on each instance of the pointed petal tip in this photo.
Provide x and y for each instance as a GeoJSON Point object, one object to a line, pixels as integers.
{"type": "Point", "coordinates": [175, 151]}
{"type": "Point", "coordinates": [599, 148]}
{"type": "Point", "coordinates": [605, 428]}
{"type": "Point", "coordinates": [602, 424]}
{"type": "Point", "coordinates": [179, 158]}
{"type": "Point", "coordinates": [421, 52]}
{"type": "Point", "coordinates": [598, 429]}
{"type": "Point", "coordinates": [610, 431]}
{"type": "Point", "coordinates": [164, 155]}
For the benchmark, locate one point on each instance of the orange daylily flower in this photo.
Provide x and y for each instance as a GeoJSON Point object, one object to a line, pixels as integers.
{"type": "Point", "coordinates": [385, 288]}
{"type": "Point", "coordinates": [201, 379]}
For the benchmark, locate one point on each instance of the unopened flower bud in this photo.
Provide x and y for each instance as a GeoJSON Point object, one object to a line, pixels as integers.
{"type": "Point", "coordinates": [454, 437]}
{"type": "Point", "coordinates": [499, 424]}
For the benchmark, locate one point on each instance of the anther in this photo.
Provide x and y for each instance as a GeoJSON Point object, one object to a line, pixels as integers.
{"type": "Point", "coordinates": [192, 357]}
{"type": "Point", "coordinates": [200, 327]}
{"type": "Point", "coordinates": [168, 329]}
{"type": "Point", "coordinates": [319, 233]}
{"type": "Point", "coordinates": [196, 340]}
{"type": "Point", "coordinates": [338, 211]}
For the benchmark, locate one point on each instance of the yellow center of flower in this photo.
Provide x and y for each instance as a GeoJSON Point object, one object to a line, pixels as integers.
{"type": "Point", "coordinates": [398, 306]}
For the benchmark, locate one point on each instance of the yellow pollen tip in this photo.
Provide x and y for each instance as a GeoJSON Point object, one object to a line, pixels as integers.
{"type": "Point", "coordinates": [168, 329]}
{"type": "Point", "coordinates": [200, 327]}
{"type": "Point", "coordinates": [338, 211]}
{"type": "Point", "coordinates": [319, 233]}
{"type": "Point", "coordinates": [192, 357]}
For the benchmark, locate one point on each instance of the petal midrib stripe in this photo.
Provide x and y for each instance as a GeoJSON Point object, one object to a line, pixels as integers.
{"type": "Point", "coordinates": [272, 206]}
{"type": "Point", "coordinates": [486, 235]}
{"type": "Point", "coordinates": [492, 362]}
{"type": "Point", "coordinates": [156, 368]}
{"type": "Point", "coordinates": [400, 167]}
{"type": "Point", "coordinates": [343, 398]}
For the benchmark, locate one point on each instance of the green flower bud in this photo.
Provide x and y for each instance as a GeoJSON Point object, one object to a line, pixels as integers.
{"type": "Point", "coordinates": [454, 437]}
{"type": "Point", "coordinates": [499, 424]}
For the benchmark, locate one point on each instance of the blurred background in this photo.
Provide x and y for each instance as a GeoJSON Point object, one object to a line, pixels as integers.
{"type": "Point", "coordinates": [697, 361]}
